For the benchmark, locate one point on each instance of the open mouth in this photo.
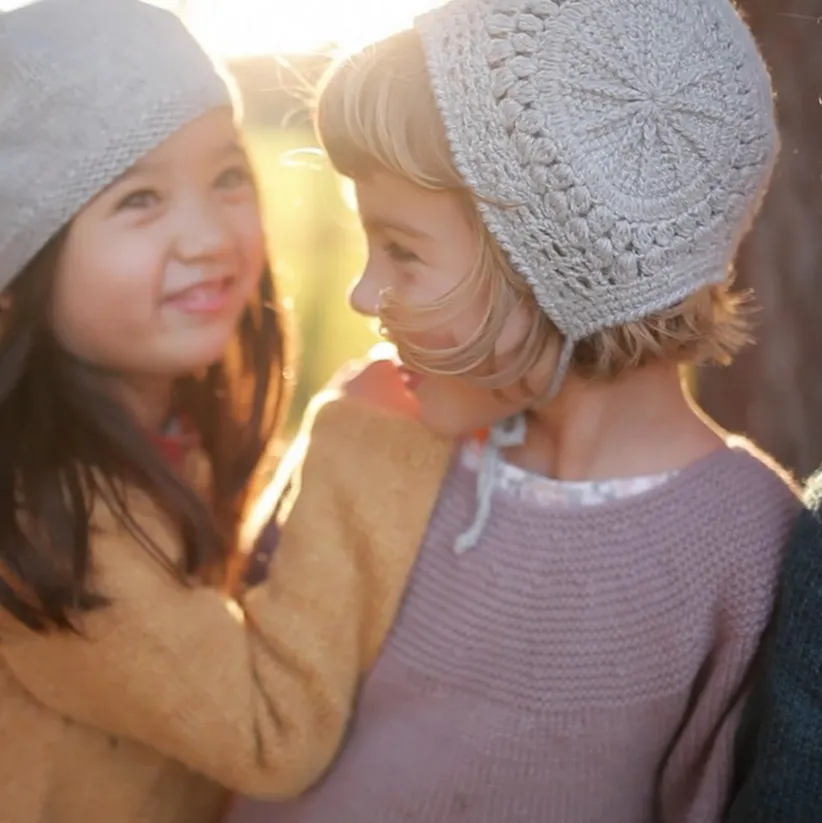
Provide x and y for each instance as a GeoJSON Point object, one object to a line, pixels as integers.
{"type": "Point", "coordinates": [208, 297]}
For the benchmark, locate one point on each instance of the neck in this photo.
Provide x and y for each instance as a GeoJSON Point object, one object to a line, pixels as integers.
{"type": "Point", "coordinates": [642, 423]}
{"type": "Point", "coordinates": [148, 398]}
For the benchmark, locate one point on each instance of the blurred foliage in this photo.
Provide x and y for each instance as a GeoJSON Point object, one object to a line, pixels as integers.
{"type": "Point", "coordinates": [316, 251]}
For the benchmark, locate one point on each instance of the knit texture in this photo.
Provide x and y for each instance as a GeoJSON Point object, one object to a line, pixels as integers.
{"type": "Point", "coordinates": [87, 87]}
{"type": "Point", "coordinates": [779, 766]}
{"type": "Point", "coordinates": [579, 665]}
{"type": "Point", "coordinates": [618, 148]}
{"type": "Point", "coordinates": [173, 692]}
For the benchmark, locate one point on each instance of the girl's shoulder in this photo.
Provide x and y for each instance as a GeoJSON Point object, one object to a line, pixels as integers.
{"type": "Point", "coordinates": [366, 452]}
{"type": "Point", "coordinates": [760, 468]}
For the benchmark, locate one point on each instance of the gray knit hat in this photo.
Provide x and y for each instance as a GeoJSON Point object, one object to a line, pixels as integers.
{"type": "Point", "coordinates": [87, 87]}
{"type": "Point", "coordinates": [620, 147]}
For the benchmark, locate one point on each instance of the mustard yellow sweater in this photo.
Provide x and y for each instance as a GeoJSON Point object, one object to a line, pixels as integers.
{"type": "Point", "coordinates": [175, 695]}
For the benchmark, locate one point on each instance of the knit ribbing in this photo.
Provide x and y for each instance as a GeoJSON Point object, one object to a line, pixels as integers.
{"type": "Point", "coordinates": [548, 675]}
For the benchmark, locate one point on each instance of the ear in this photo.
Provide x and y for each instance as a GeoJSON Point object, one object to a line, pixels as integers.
{"type": "Point", "coordinates": [5, 301]}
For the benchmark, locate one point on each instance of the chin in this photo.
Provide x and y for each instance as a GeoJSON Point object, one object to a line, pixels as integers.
{"type": "Point", "coordinates": [195, 355]}
{"type": "Point", "coordinates": [455, 408]}
{"type": "Point", "coordinates": [443, 424]}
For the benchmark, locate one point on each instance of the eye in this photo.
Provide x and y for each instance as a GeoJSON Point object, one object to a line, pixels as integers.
{"type": "Point", "coordinates": [234, 178]}
{"type": "Point", "coordinates": [142, 199]}
{"type": "Point", "coordinates": [400, 254]}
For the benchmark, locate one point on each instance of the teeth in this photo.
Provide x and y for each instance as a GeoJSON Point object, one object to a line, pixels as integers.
{"type": "Point", "coordinates": [204, 289]}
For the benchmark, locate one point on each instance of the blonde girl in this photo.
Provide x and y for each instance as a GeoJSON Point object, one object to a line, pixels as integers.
{"type": "Point", "coordinates": [552, 194]}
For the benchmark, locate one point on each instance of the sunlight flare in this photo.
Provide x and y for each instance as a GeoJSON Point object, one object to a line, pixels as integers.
{"type": "Point", "coordinates": [238, 28]}
{"type": "Point", "coordinates": [247, 28]}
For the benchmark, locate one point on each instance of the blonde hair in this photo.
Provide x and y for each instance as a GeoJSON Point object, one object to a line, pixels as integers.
{"type": "Point", "coordinates": [376, 111]}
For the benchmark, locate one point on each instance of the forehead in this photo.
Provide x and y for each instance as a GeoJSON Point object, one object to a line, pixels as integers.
{"type": "Point", "coordinates": [201, 139]}
{"type": "Point", "coordinates": [192, 151]}
{"type": "Point", "coordinates": [385, 201]}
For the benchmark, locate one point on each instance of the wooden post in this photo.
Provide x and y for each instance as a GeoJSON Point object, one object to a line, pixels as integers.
{"type": "Point", "coordinates": [773, 393]}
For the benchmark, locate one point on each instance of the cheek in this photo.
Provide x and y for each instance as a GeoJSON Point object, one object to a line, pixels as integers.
{"type": "Point", "coordinates": [102, 287]}
{"type": "Point", "coordinates": [450, 328]}
{"type": "Point", "coordinates": [514, 332]}
{"type": "Point", "coordinates": [248, 229]}
{"type": "Point", "coordinates": [115, 264]}
{"type": "Point", "coordinates": [247, 225]}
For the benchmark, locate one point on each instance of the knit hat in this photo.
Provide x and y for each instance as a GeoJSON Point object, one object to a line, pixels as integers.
{"type": "Point", "coordinates": [618, 148]}
{"type": "Point", "coordinates": [87, 87]}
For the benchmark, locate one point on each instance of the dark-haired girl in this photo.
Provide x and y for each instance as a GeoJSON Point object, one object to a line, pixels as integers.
{"type": "Point", "coordinates": [141, 380]}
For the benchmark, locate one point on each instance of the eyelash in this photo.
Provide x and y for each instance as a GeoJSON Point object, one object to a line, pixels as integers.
{"type": "Point", "coordinates": [241, 177]}
{"type": "Point", "coordinates": [136, 200]}
{"type": "Point", "coordinates": [238, 176]}
{"type": "Point", "coordinates": [400, 254]}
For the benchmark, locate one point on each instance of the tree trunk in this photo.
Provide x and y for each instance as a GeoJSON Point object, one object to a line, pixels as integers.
{"type": "Point", "coordinates": [773, 393]}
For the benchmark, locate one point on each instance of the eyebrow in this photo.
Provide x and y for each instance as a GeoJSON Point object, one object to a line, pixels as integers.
{"type": "Point", "coordinates": [381, 223]}
{"type": "Point", "coordinates": [230, 148]}
{"type": "Point", "coordinates": [144, 167]}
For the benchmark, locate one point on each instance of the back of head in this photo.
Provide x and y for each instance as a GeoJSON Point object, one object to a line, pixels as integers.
{"type": "Point", "coordinates": [616, 152]}
{"type": "Point", "coordinates": [629, 142]}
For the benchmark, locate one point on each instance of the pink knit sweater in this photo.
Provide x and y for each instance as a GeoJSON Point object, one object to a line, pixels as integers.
{"type": "Point", "coordinates": [580, 665]}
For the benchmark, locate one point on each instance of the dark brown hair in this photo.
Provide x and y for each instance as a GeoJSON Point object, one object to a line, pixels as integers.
{"type": "Point", "coordinates": [66, 442]}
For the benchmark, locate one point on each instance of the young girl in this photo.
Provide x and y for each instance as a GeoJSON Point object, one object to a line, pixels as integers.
{"type": "Point", "coordinates": [552, 194]}
{"type": "Point", "coordinates": [141, 377]}
{"type": "Point", "coordinates": [779, 766]}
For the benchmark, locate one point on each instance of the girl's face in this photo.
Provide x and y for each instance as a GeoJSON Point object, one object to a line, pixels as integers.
{"type": "Point", "coordinates": [420, 246]}
{"type": "Point", "coordinates": [157, 270]}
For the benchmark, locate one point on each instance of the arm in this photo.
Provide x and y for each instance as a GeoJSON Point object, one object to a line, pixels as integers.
{"type": "Point", "coordinates": [696, 775]}
{"type": "Point", "coordinates": [376, 383]}
{"type": "Point", "coordinates": [695, 780]}
{"type": "Point", "coordinates": [780, 746]}
{"type": "Point", "coordinates": [257, 696]}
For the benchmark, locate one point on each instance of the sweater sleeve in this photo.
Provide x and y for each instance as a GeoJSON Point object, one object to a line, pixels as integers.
{"type": "Point", "coordinates": [254, 695]}
{"type": "Point", "coordinates": [695, 781]}
{"type": "Point", "coordinates": [779, 761]}
{"type": "Point", "coordinates": [696, 776]}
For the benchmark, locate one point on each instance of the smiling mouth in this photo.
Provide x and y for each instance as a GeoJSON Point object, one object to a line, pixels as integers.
{"type": "Point", "coordinates": [209, 297]}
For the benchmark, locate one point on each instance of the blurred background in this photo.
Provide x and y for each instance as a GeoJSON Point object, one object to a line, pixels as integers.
{"type": "Point", "coordinates": [277, 49]}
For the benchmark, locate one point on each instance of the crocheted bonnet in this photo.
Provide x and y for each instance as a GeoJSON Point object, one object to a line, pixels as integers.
{"type": "Point", "coordinates": [87, 87]}
{"type": "Point", "coordinates": [618, 148]}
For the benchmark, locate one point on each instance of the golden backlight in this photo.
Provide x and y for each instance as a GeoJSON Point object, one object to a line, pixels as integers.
{"type": "Point", "coordinates": [243, 28]}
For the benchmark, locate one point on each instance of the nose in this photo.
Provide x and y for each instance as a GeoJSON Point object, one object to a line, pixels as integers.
{"type": "Point", "coordinates": [203, 232]}
{"type": "Point", "coordinates": [365, 294]}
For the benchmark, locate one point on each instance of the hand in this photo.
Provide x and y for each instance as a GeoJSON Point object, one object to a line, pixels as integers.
{"type": "Point", "coordinates": [378, 382]}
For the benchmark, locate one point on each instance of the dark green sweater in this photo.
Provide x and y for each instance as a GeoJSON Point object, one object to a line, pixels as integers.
{"type": "Point", "coordinates": [779, 759]}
